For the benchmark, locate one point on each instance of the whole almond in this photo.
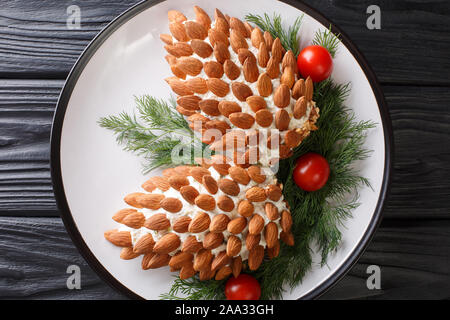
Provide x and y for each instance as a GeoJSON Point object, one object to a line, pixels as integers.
{"type": "Point", "coordinates": [206, 274]}
{"type": "Point", "coordinates": [179, 259]}
{"type": "Point", "coordinates": [289, 61]}
{"type": "Point", "coordinates": [264, 118]}
{"type": "Point", "coordinates": [255, 173]}
{"type": "Point", "coordinates": [158, 260]}
{"type": "Point", "coordinates": [176, 16]}
{"type": "Point", "coordinates": [187, 271]}
{"type": "Point", "coordinates": [249, 27]}
{"type": "Point", "coordinates": [160, 182]}
{"type": "Point", "coordinates": [213, 69]}
{"type": "Point", "coordinates": [212, 240]}
{"type": "Point", "coordinates": [166, 38]}
{"type": "Point", "coordinates": [179, 87]}
{"type": "Point", "coordinates": [157, 222]}
{"type": "Point", "coordinates": [168, 243]}
{"type": "Point", "coordinates": [201, 48]}
{"type": "Point", "coordinates": [237, 41]}
{"type": "Point", "coordinates": [288, 77]}
{"type": "Point", "coordinates": [150, 201]}
{"type": "Point", "coordinates": [292, 138]}
{"type": "Point", "coordinates": [277, 50]}
{"type": "Point", "coordinates": [228, 107]}
{"type": "Point", "coordinates": [287, 237]}
{"type": "Point", "coordinates": [256, 194]}
{"type": "Point", "coordinates": [264, 85]}
{"type": "Point", "coordinates": [219, 14]}
{"type": "Point", "coordinates": [178, 31]}
{"type": "Point", "coordinates": [221, 168]}
{"type": "Point", "coordinates": [221, 52]}
{"type": "Point", "coordinates": [251, 72]}
{"type": "Point", "coordinates": [144, 244]}
{"type": "Point", "coordinates": [223, 273]}
{"type": "Point", "coordinates": [238, 26]}
{"type": "Point", "coordinates": [274, 251]}
{"type": "Point", "coordinates": [222, 25]}
{"type": "Point", "coordinates": [271, 234]}
{"type": "Point", "coordinates": [210, 184]}
{"type": "Point", "coordinates": [189, 193]}
{"type": "Point", "coordinates": [220, 260]}
{"type": "Point", "coordinates": [181, 225]}
{"type": "Point", "coordinates": [231, 69]}
{"type": "Point", "coordinates": [205, 202]}
{"type": "Point", "coordinates": [239, 175]}
{"type": "Point", "coordinates": [121, 214]}
{"type": "Point", "coordinates": [195, 30]}
{"type": "Point", "coordinates": [268, 39]}
{"type": "Point", "coordinates": [229, 187]}
{"type": "Point", "coordinates": [273, 192]}
{"type": "Point", "coordinates": [242, 120]}
{"type": "Point", "coordinates": [220, 125]}
{"type": "Point", "coordinates": [219, 87]}
{"type": "Point", "coordinates": [299, 89]}
{"type": "Point", "coordinates": [203, 260]}
{"type": "Point", "coordinates": [284, 151]}
{"type": "Point", "coordinates": [252, 240]}
{"type": "Point", "coordinates": [202, 17]}
{"type": "Point", "coordinates": [300, 108]}
{"type": "Point", "coordinates": [184, 112]}
{"type": "Point", "coordinates": [245, 208]}
{"type": "Point", "coordinates": [146, 260]}
{"type": "Point", "coordinates": [257, 37]}
{"type": "Point", "coordinates": [198, 172]}
{"type": "Point", "coordinates": [119, 238]}
{"type": "Point", "coordinates": [177, 72]}
{"type": "Point", "coordinates": [241, 91]}
{"type": "Point", "coordinates": [282, 96]}
{"type": "Point", "coordinates": [219, 223]}
{"type": "Point", "coordinates": [189, 102]}
{"type": "Point", "coordinates": [309, 89]}
{"type": "Point", "coordinates": [128, 254]}
{"type": "Point", "coordinates": [179, 49]}
{"type": "Point", "coordinates": [172, 205]}
{"type": "Point", "coordinates": [273, 68]}
{"type": "Point", "coordinates": [210, 107]}
{"type": "Point", "coordinates": [199, 223]}
{"type": "Point", "coordinates": [243, 54]}
{"type": "Point", "coordinates": [256, 103]}
{"type": "Point", "coordinates": [237, 225]}
{"type": "Point", "coordinates": [255, 257]}
{"type": "Point", "coordinates": [148, 186]}
{"type": "Point", "coordinates": [225, 203]}
{"type": "Point", "coordinates": [191, 245]}
{"type": "Point", "coordinates": [216, 36]}
{"type": "Point", "coordinates": [236, 266]}
{"type": "Point", "coordinates": [286, 221]}
{"type": "Point", "coordinates": [282, 120]}
{"type": "Point", "coordinates": [256, 224]}
{"type": "Point", "coordinates": [234, 245]}
{"type": "Point", "coordinates": [263, 55]}
{"type": "Point", "coordinates": [271, 211]}
{"type": "Point", "coordinates": [177, 181]}
{"type": "Point", "coordinates": [189, 65]}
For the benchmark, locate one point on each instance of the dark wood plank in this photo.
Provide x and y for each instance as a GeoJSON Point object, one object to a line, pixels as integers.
{"type": "Point", "coordinates": [411, 47]}
{"type": "Point", "coordinates": [37, 251]}
{"type": "Point", "coordinates": [420, 119]}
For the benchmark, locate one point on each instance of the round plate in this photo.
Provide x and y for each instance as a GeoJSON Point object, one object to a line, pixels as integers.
{"type": "Point", "coordinates": [91, 173]}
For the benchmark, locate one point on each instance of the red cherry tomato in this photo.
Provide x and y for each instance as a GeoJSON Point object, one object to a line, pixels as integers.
{"type": "Point", "coordinates": [315, 62]}
{"type": "Point", "coordinates": [311, 172]}
{"type": "Point", "coordinates": [244, 287]}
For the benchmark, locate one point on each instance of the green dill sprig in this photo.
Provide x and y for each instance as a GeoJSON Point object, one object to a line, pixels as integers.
{"type": "Point", "coordinates": [328, 40]}
{"type": "Point", "coordinates": [194, 289]}
{"type": "Point", "coordinates": [289, 38]}
{"type": "Point", "coordinates": [153, 133]}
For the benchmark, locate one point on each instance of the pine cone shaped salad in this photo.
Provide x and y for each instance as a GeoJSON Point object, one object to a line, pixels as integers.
{"type": "Point", "coordinates": [240, 91]}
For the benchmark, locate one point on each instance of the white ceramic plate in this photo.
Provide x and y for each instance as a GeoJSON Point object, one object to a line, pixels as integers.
{"type": "Point", "coordinates": [91, 173]}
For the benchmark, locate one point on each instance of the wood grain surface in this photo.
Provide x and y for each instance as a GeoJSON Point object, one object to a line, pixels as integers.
{"type": "Point", "coordinates": [410, 57]}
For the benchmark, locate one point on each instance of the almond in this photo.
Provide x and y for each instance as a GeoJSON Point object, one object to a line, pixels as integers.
{"type": "Point", "coordinates": [242, 120]}
{"type": "Point", "coordinates": [200, 222]}
{"type": "Point", "coordinates": [277, 50]}
{"type": "Point", "coordinates": [309, 89]}
{"type": "Point", "coordinates": [282, 120]}
{"type": "Point", "coordinates": [146, 260]}
{"type": "Point", "coordinates": [241, 91]}
{"type": "Point", "coordinates": [172, 205]}
{"type": "Point", "coordinates": [119, 238]}
{"type": "Point", "coordinates": [160, 182]}
{"type": "Point", "coordinates": [229, 187]}
{"type": "Point", "coordinates": [150, 201]}
{"type": "Point", "coordinates": [236, 266]}
{"type": "Point", "coordinates": [195, 30]}
{"type": "Point", "coordinates": [148, 186]}
{"type": "Point", "coordinates": [237, 225]}
{"type": "Point", "coordinates": [271, 234]}
{"type": "Point", "coordinates": [219, 223]}
{"type": "Point", "coordinates": [289, 61]}
{"type": "Point", "coordinates": [256, 224]}
{"type": "Point", "coordinates": [286, 221]}
{"type": "Point", "coordinates": [198, 172]}
{"type": "Point", "coordinates": [264, 118]}
{"type": "Point", "coordinates": [255, 173]}
{"type": "Point", "coordinates": [179, 259]}
{"type": "Point", "coordinates": [220, 164]}
{"type": "Point", "coordinates": [288, 77]}
{"type": "Point", "coordinates": [292, 138]}
{"type": "Point", "coordinates": [220, 260]}
{"type": "Point", "coordinates": [158, 260]}
{"type": "Point", "coordinates": [219, 87]}
{"type": "Point", "coordinates": [234, 246]}
{"type": "Point", "coordinates": [221, 24]}
{"type": "Point", "coordinates": [273, 68]}
{"type": "Point", "coordinates": [251, 156]}
{"type": "Point", "coordinates": [181, 225]}
{"type": "Point", "coordinates": [189, 102]}
{"type": "Point", "coordinates": [216, 36]}
{"type": "Point", "coordinates": [178, 31]}
{"type": "Point", "coordinates": [239, 27]}
{"type": "Point", "coordinates": [299, 89]}
{"type": "Point", "coordinates": [213, 69]}
{"type": "Point", "coordinates": [205, 202]}
{"type": "Point", "coordinates": [183, 170]}
{"type": "Point", "coordinates": [220, 125]}
{"type": "Point", "coordinates": [284, 151]}
{"type": "Point", "coordinates": [282, 96]}
{"type": "Point", "coordinates": [257, 37]}
{"type": "Point", "coordinates": [168, 243]}
{"type": "Point", "coordinates": [201, 48]}
{"type": "Point", "coordinates": [239, 175]}
{"type": "Point", "coordinates": [128, 254]}
{"type": "Point", "coordinates": [268, 39]}
{"type": "Point", "coordinates": [245, 208]}
{"type": "Point", "coordinates": [221, 52]}
{"type": "Point", "coordinates": [212, 240]}
{"type": "Point", "coordinates": [256, 194]}
{"type": "Point", "coordinates": [189, 65]}
{"type": "Point", "coordinates": [203, 260]}
{"type": "Point", "coordinates": [157, 222]}
{"type": "Point", "coordinates": [263, 55]}
{"type": "Point", "coordinates": [226, 108]}
{"type": "Point", "coordinates": [197, 85]}
{"type": "Point", "coordinates": [273, 192]}
{"type": "Point", "coordinates": [237, 41]}
{"type": "Point", "coordinates": [219, 14]}
{"type": "Point", "coordinates": [264, 85]}
{"type": "Point", "coordinates": [177, 72]}
{"type": "Point", "coordinates": [287, 237]}
{"type": "Point", "coordinates": [225, 203]}
{"type": "Point", "coordinates": [132, 199]}
{"type": "Point", "coordinates": [231, 69]}
{"type": "Point", "coordinates": [184, 112]}
{"type": "Point", "coordinates": [252, 240]}
{"type": "Point", "coordinates": [251, 72]}
{"type": "Point", "coordinates": [243, 54]}
{"type": "Point", "coordinates": [274, 251]}
{"type": "Point", "coordinates": [210, 107]}
{"type": "Point", "coordinates": [176, 16]}
{"type": "Point", "coordinates": [206, 274]}
{"type": "Point", "coordinates": [121, 214]}
{"type": "Point", "coordinates": [191, 245]}
{"type": "Point", "coordinates": [177, 181]}
{"type": "Point", "coordinates": [249, 27]}
{"type": "Point", "coordinates": [179, 49]}
{"type": "Point", "coordinates": [300, 108]}
{"type": "Point", "coordinates": [187, 271]}
{"type": "Point", "coordinates": [210, 184]}
{"type": "Point", "coordinates": [255, 257]}
{"type": "Point", "coordinates": [166, 38]}
{"type": "Point", "coordinates": [189, 193]}
{"type": "Point", "coordinates": [179, 87]}
{"type": "Point", "coordinates": [256, 103]}
{"type": "Point", "coordinates": [223, 273]}
{"type": "Point", "coordinates": [202, 17]}
{"type": "Point", "coordinates": [271, 211]}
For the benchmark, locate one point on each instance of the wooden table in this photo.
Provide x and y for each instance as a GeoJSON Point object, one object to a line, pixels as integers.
{"type": "Point", "coordinates": [410, 55]}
